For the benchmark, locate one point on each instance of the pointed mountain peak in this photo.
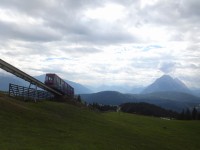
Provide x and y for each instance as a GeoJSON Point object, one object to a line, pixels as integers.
{"type": "Point", "coordinates": [166, 77]}
{"type": "Point", "coordinates": [166, 83]}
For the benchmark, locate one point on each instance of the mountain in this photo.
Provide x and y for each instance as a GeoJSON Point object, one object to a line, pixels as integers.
{"type": "Point", "coordinates": [169, 100]}
{"type": "Point", "coordinates": [166, 83]}
{"type": "Point", "coordinates": [196, 91]}
{"type": "Point", "coordinates": [173, 100]}
{"type": "Point", "coordinates": [175, 96]}
{"type": "Point", "coordinates": [79, 88]}
{"type": "Point", "coordinates": [120, 88]}
{"type": "Point", "coordinates": [136, 90]}
{"type": "Point", "coordinates": [166, 92]}
{"type": "Point", "coordinates": [107, 98]}
{"type": "Point", "coordinates": [6, 79]}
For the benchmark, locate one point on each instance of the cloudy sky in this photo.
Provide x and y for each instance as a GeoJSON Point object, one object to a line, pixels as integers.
{"type": "Point", "coordinates": [96, 42]}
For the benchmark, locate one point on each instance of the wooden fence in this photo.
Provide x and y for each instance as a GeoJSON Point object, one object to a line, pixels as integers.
{"type": "Point", "coordinates": [28, 93]}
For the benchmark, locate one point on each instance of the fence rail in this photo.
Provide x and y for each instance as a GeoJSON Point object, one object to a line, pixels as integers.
{"type": "Point", "coordinates": [28, 93]}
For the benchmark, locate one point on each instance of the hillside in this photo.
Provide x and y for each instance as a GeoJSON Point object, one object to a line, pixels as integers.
{"type": "Point", "coordinates": [50, 125]}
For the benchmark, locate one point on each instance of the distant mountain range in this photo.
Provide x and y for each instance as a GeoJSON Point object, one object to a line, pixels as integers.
{"type": "Point", "coordinates": [166, 92]}
{"type": "Point", "coordinates": [196, 91]}
{"type": "Point", "coordinates": [165, 83]}
{"type": "Point", "coordinates": [120, 88]}
{"type": "Point", "coordinates": [168, 100]}
{"type": "Point", "coordinates": [5, 80]}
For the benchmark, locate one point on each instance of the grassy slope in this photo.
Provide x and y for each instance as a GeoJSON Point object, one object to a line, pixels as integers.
{"type": "Point", "coordinates": [51, 125]}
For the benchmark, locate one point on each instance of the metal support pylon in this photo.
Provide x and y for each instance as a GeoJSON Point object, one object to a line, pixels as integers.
{"type": "Point", "coordinates": [35, 93]}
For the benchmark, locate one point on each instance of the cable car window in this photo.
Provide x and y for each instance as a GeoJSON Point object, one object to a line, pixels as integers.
{"type": "Point", "coordinates": [50, 79]}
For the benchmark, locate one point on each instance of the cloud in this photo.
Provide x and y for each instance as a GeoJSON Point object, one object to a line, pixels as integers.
{"type": "Point", "coordinates": [27, 33]}
{"type": "Point", "coordinates": [168, 67]}
{"type": "Point", "coordinates": [62, 17]}
{"type": "Point", "coordinates": [103, 41]}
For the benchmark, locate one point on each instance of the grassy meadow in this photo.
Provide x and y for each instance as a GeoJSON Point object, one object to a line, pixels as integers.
{"type": "Point", "coordinates": [51, 125]}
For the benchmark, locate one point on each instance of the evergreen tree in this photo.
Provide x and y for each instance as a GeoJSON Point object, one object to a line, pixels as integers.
{"type": "Point", "coordinates": [188, 115]}
{"type": "Point", "coordinates": [198, 115]}
{"type": "Point", "coordinates": [194, 114]}
{"type": "Point", "coordinates": [182, 115]}
{"type": "Point", "coordinates": [79, 98]}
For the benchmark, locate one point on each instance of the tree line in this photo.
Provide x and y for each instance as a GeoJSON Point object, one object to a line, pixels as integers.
{"type": "Point", "coordinates": [144, 108]}
{"type": "Point", "coordinates": [147, 109]}
{"type": "Point", "coordinates": [102, 108]}
{"type": "Point", "coordinates": [189, 115]}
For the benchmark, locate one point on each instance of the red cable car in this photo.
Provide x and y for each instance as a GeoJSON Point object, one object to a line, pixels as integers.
{"type": "Point", "coordinates": [55, 82]}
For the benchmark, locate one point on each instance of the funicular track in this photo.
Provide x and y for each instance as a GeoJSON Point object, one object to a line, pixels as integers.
{"type": "Point", "coordinates": [17, 72]}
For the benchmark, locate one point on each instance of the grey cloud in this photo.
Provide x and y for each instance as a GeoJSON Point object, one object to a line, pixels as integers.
{"type": "Point", "coordinates": [168, 67]}
{"type": "Point", "coordinates": [82, 50]}
{"type": "Point", "coordinates": [194, 66]}
{"type": "Point", "coordinates": [104, 38]}
{"type": "Point", "coordinates": [105, 69]}
{"type": "Point", "coordinates": [191, 8]}
{"type": "Point", "coordinates": [50, 9]}
{"type": "Point", "coordinates": [65, 25]}
{"type": "Point", "coordinates": [146, 64]}
{"type": "Point", "coordinates": [56, 58]}
{"type": "Point", "coordinates": [172, 12]}
{"type": "Point", "coordinates": [20, 49]}
{"type": "Point", "coordinates": [91, 31]}
{"type": "Point", "coordinates": [48, 70]}
{"type": "Point", "coordinates": [27, 33]}
{"type": "Point", "coordinates": [194, 47]}
{"type": "Point", "coordinates": [181, 18]}
{"type": "Point", "coordinates": [64, 17]}
{"type": "Point", "coordinates": [191, 54]}
{"type": "Point", "coordinates": [79, 51]}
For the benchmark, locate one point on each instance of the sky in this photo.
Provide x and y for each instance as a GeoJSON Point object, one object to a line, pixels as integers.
{"type": "Point", "coordinates": [103, 42]}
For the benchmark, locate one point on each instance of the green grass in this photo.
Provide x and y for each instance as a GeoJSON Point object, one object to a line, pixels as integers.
{"type": "Point", "coordinates": [50, 125]}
